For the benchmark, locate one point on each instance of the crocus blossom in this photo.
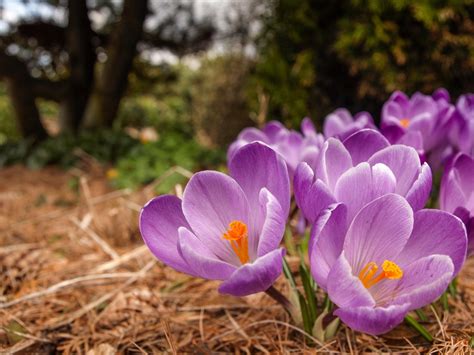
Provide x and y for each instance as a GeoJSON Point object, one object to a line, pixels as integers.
{"type": "Point", "coordinates": [457, 193]}
{"type": "Point", "coordinates": [293, 146]}
{"type": "Point", "coordinates": [226, 228]}
{"type": "Point", "coordinates": [363, 167]}
{"type": "Point", "coordinates": [341, 124]}
{"type": "Point", "coordinates": [462, 136]}
{"type": "Point", "coordinates": [421, 121]}
{"type": "Point", "coordinates": [387, 261]}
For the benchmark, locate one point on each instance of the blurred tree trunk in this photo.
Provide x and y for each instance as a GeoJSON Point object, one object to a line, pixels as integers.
{"type": "Point", "coordinates": [112, 80]}
{"type": "Point", "coordinates": [20, 87]}
{"type": "Point", "coordinates": [81, 63]}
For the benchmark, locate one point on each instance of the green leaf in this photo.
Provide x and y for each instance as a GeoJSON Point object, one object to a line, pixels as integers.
{"type": "Point", "coordinates": [453, 287]}
{"type": "Point", "coordinates": [288, 274]}
{"type": "Point", "coordinates": [305, 314]}
{"type": "Point", "coordinates": [419, 328]}
{"type": "Point", "coordinates": [421, 315]}
{"type": "Point", "coordinates": [444, 301]}
{"type": "Point", "coordinates": [310, 294]}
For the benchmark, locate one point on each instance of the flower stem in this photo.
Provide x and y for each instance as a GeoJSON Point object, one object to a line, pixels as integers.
{"type": "Point", "coordinates": [421, 315]}
{"type": "Point", "coordinates": [280, 298]}
{"type": "Point", "coordinates": [419, 328]}
{"type": "Point", "coordinates": [453, 288]}
{"type": "Point", "coordinates": [444, 301]}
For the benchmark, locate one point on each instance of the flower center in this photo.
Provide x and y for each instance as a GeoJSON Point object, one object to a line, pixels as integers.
{"type": "Point", "coordinates": [237, 235]}
{"type": "Point", "coordinates": [390, 271]}
{"type": "Point", "coordinates": [405, 122]}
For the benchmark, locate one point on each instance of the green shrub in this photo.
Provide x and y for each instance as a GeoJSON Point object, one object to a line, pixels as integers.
{"type": "Point", "coordinates": [164, 105]}
{"type": "Point", "coordinates": [103, 145]}
{"type": "Point", "coordinates": [147, 162]}
{"type": "Point", "coordinates": [315, 55]}
{"type": "Point", "coordinates": [8, 128]}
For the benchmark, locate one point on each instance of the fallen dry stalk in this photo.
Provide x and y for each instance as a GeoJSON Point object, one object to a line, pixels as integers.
{"type": "Point", "coordinates": [68, 283]}
{"type": "Point", "coordinates": [98, 240]}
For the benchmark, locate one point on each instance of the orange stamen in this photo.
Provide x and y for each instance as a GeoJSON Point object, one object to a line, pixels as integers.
{"type": "Point", "coordinates": [237, 235]}
{"type": "Point", "coordinates": [390, 270]}
{"type": "Point", "coordinates": [405, 122]}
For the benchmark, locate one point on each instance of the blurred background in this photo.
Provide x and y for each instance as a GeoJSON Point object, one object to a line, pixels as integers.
{"type": "Point", "coordinates": [143, 86]}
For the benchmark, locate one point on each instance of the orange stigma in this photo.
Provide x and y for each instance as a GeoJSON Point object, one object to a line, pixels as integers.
{"type": "Point", "coordinates": [390, 271]}
{"type": "Point", "coordinates": [237, 235]}
{"type": "Point", "coordinates": [405, 122]}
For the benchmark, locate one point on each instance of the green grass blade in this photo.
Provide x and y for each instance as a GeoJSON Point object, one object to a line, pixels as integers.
{"type": "Point", "coordinates": [419, 328]}
{"type": "Point", "coordinates": [310, 294]}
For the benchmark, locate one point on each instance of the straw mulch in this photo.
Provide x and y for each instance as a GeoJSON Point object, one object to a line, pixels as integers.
{"type": "Point", "coordinates": [76, 278]}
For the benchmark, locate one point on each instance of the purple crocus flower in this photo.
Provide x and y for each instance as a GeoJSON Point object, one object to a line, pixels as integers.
{"type": "Point", "coordinates": [421, 121]}
{"type": "Point", "coordinates": [462, 136]}
{"type": "Point", "coordinates": [457, 193]}
{"type": "Point", "coordinates": [388, 261]}
{"type": "Point", "coordinates": [226, 228]}
{"type": "Point", "coordinates": [341, 124]}
{"type": "Point", "coordinates": [360, 169]}
{"type": "Point", "coordinates": [293, 146]}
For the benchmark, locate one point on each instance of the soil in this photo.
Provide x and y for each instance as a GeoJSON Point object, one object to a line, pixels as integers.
{"type": "Point", "coordinates": [76, 278]}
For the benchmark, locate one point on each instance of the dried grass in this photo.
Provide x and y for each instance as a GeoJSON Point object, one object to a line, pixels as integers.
{"type": "Point", "coordinates": [76, 278]}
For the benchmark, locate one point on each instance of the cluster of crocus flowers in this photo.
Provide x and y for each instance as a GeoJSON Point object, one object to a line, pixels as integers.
{"type": "Point", "coordinates": [294, 147]}
{"type": "Point", "coordinates": [373, 247]}
{"type": "Point", "coordinates": [356, 171]}
{"type": "Point", "coordinates": [342, 124]}
{"type": "Point", "coordinates": [431, 124]}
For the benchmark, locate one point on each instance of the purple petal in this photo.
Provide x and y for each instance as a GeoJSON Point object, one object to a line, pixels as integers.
{"type": "Point", "coordinates": [327, 239]}
{"type": "Point", "coordinates": [371, 320]}
{"type": "Point", "coordinates": [451, 195]}
{"type": "Point", "coordinates": [464, 166]}
{"type": "Point", "coordinates": [311, 196]}
{"type": "Point", "coordinates": [436, 232]}
{"type": "Point", "coordinates": [247, 136]}
{"type": "Point", "coordinates": [334, 160]}
{"type": "Point", "coordinates": [379, 231]}
{"type": "Point", "coordinates": [345, 289]}
{"type": "Point", "coordinates": [201, 259]}
{"type": "Point", "coordinates": [412, 139]}
{"type": "Point", "coordinates": [253, 134]}
{"type": "Point", "coordinates": [310, 155]}
{"type": "Point", "coordinates": [255, 277]}
{"type": "Point", "coordinates": [307, 127]}
{"type": "Point", "coordinates": [160, 220]}
{"type": "Point", "coordinates": [424, 280]}
{"type": "Point", "coordinates": [256, 166]}
{"type": "Point", "coordinates": [337, 122]}
{"type": "Point", "coordinates": [441, 94]}
{"type": "Point", "coordinates": [364, 143]}
{"type": "Point", "coordinates": [274, 225]}
{"type": "Point", "coordinates": [358, 186]}
{"type": "Point", "coordinates": [211, 201]}
{"type": "Point", "coordinates": [470, 236]}
{"type": "Point", "coordinates": [419, 193]}
{"type": "Point", "coordinates": [392, 132]}
{"type": "Point", "coordinates": [273, 129]}
{"type": "Point", "coordinates": [290, 147]}
{"type": "Point", "coordinates": [404, 163]}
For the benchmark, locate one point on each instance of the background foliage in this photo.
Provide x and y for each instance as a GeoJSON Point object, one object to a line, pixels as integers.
{"type": "Point", "coordinates": [306, 57]}
{"type": "Point", "coordinates": [319, 55]}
